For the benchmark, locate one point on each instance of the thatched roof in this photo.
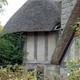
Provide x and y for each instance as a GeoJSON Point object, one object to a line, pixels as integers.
{"type": "Point", "coordinates": [67, 36]}
{"type": "Point", "coordinates": [35, 15]}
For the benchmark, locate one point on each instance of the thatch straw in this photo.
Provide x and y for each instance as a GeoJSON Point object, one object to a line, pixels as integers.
{"type": "Point", "coordinates": [34, 16]}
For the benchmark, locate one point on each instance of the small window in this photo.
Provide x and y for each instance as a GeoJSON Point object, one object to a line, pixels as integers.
{"type": "Point", "coordinates": [57, 26]}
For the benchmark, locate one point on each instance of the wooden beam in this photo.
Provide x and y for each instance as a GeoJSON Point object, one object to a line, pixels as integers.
{"type": "Point", "coordinates": [46, 46]}
{"type": "Point", "coordinates": [66, 37]}
{"type": "Point", "coordinates": [35, 45]}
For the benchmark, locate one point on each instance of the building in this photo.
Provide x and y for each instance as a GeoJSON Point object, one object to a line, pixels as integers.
{"type": "Point", "coordinates": [47, 25]}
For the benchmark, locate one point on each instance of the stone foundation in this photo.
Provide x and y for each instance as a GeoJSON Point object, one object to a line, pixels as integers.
{"type": "Point", "coordinates": [48, 70]}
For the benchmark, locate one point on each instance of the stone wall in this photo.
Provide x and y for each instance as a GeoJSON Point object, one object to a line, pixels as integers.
{"type": "Point", "coordinates": [67, 7]}
{"type": "Point", "coordinates": [48, 70]}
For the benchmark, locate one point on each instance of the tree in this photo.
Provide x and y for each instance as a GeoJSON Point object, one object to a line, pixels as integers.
{"type": "Point", "coordinates": [2, 3]}
{"type": "Point", "coordinates": [0, 27]}
{"type": "Point", "coordinates": [11, 48]}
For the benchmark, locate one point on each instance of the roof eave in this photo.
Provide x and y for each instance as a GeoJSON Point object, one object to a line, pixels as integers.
{"type": "Point", "coordinates": [66, 37]}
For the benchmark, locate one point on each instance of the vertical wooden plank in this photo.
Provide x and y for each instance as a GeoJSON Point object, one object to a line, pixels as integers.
{"type": "Point", "coordinates": [35, 45]}
{"type": "Point", "coordinates": [46, 46]}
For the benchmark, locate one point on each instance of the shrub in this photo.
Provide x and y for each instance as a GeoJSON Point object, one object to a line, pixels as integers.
{"type": "Point", "coordinates": [21, 73]}
{"type": "Point", "coordinates": [73, 67]}
{"type": "Point", "coordinates": [11, 48]}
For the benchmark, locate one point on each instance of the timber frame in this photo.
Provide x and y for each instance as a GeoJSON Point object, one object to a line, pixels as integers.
{"type": "Point", "coordinates": [67, 36]}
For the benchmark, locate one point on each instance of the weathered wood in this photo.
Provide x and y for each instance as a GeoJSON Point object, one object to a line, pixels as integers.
{"type": "Point", "coordinates": [66, 37]}
{"type": "Point", "coordinates": [46, 46]}
{"type": "Point", "coordinates": [35, 45]}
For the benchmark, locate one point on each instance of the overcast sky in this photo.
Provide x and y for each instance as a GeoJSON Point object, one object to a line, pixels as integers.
{"type": "Point", "coordinates": [10, 9]}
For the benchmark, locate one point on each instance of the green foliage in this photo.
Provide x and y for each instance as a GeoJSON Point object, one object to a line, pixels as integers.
{"type": "Point", "coordinates": [11, 48]}
{"type": "Point", "coordinates": [2, 2]}
{"type": "Point", "coordinates": [21, 73]}
{"type": "Point", "coordinates": [73, 65]}
{"type": "Point", "coordinates": [74, 71]}
{"type": "Point", "coordinates": [0, 27]}
{"type": "Point", "coordinates": [7, 74]}
{"type": "Point", "coordinates": [76, 23]}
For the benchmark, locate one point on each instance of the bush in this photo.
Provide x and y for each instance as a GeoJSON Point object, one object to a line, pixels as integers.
{"type": "Point", "coordinates": [11, 48]}
{"type": "Point", "coordinates": [73, 67]}
{"type": "Point", "coordinates": [23, 73]}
